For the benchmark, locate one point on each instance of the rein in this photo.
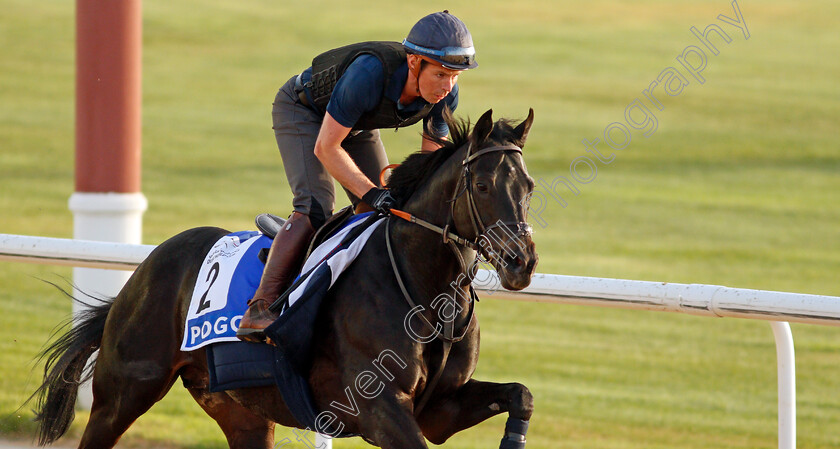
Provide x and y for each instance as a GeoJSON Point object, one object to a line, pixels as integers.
{"type": "Point", "coordinates": [447, 235]}
{"type": "Point", "coordinates": [451, 239]}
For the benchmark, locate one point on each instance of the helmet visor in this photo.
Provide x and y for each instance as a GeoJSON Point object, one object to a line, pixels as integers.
{"type": "Point", "coordinates": [459, 58]}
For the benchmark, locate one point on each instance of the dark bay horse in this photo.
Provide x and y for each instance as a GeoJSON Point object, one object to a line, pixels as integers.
{"type": "Point", "coordinates": [409, 281]}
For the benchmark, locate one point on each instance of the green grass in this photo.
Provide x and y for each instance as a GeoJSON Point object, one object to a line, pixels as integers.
{"type": "Point", "coordinates": [738, 186]}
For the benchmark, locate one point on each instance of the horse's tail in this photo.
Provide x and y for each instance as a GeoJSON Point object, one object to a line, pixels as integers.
{"type": "Point", "coordinates": [65, 370]}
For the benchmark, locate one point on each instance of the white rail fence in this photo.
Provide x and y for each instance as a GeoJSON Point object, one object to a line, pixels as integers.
{"type": "Point", "coordinates": [695, 299]}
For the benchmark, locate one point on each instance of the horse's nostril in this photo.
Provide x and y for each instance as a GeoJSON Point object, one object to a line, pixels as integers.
{"type": "Point", "coordinates": [513, 263]}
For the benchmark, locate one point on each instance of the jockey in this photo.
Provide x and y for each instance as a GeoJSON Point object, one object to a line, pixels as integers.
{"type": "Point", "coordinates": [327, 121]}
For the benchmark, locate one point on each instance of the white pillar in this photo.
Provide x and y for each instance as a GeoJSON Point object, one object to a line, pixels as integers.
{"type": "Point", "coordinates": [107, 217]}
{"type": "Point", "coordinates": [787, 384]}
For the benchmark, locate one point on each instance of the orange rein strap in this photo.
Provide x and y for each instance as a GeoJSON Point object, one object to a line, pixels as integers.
{"type": "Point", "coordinates": [382, 173]}
{"type": "Point", "coordinates": [412, 219]}
{"type": "Point", "coordinates": [442, 231]}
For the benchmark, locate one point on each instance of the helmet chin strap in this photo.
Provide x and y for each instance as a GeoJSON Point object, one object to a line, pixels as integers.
{"type": "Point", "coordinates": [416, 72]}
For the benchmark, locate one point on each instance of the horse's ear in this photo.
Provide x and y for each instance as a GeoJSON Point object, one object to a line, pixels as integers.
{"type": "Point", "coordinates": [482, 129]}
{"type": "Point", "coordinates": [520, 133]}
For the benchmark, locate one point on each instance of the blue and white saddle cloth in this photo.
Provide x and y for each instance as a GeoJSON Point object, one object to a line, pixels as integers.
{"type": "Point", "coordinates": [231, 272]}
{"type": "Point", "coordinates": [228, 278]}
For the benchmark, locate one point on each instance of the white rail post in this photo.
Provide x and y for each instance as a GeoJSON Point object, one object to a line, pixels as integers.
{"type": "Point", "coordinates": [787, 384]}
{"type": "Point", "coordinates": [109, 217]}
{"type": "Point", "coordinates": [323, 441]}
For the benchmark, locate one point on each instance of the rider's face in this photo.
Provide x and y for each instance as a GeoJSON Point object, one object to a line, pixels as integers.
{"type": "Point", "coordinates": [436, 82]}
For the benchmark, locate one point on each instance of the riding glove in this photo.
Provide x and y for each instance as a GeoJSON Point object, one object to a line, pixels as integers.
{"type": "Point", "coordinates": [379, 199]}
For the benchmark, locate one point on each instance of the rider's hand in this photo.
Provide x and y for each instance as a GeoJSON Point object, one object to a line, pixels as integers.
{"type": "Point", "coordinates": [379, 199]}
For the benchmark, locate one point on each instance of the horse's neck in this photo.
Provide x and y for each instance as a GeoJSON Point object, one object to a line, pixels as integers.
{"type": "Point", "coordinates": [431, 200]}
{"type": "Point", "coordinates": [428, 266]}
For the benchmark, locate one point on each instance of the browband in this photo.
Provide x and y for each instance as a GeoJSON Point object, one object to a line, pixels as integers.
{"type": "Point", "coordinates": [508, 147]}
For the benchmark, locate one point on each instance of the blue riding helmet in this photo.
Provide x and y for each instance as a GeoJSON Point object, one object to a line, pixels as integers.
{"type": "Point", "coordinates": [443, 38]}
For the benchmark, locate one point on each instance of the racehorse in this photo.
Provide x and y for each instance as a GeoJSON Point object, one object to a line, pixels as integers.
{"type": "Point", "coordinates": [471, 196]}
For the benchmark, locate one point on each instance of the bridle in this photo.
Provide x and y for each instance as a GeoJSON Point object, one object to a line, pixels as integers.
{"type": "Point", "coordinates": [523, 229]}
{"type": "Point", "coordinates": [480, 230]}
{"type": "Point", "coordinates": [452, 239]}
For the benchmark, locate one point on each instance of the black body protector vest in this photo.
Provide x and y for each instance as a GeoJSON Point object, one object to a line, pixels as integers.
{"type": "Point", "coordinates": [328, 67]}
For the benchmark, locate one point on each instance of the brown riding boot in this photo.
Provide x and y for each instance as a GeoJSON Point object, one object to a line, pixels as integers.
{"type": "Point", "coordinates": [281, 267]}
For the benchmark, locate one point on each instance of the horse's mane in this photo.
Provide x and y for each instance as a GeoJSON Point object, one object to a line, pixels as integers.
{"type": "Point", "coordinates": [418, 167]}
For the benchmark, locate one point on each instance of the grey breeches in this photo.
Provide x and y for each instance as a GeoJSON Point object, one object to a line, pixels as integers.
{"type": "Point", "coordinates": [296, 128]}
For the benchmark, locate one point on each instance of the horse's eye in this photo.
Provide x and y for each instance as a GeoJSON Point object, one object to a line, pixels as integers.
{"type": "Point", "coordinates": [481, 186]}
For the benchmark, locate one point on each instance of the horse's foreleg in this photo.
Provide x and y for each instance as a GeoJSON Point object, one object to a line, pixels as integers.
{"type": "Point", "coordinates": [475, 402]}
{"type": "Point", "coordinates": [388, 421]}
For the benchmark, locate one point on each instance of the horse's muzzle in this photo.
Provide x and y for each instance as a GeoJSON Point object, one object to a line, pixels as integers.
{"type": "Point", "coordinates": [516, 263]}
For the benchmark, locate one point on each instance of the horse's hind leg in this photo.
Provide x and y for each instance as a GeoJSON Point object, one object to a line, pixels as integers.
{"type": "Point", "coordinates": [120, 395]}
{"type": "Point", "coordinates": [133, 372]}
{"type": "Point", "coordinates": [242, 428]}
{"type": "Point", "coordinates": [475, 402]}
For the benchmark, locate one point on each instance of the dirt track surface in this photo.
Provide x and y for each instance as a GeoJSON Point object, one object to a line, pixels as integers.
{"type": "Point", "coordinates": [14, 445]}
{"type": "Point", "coordinates": [24, 444]}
